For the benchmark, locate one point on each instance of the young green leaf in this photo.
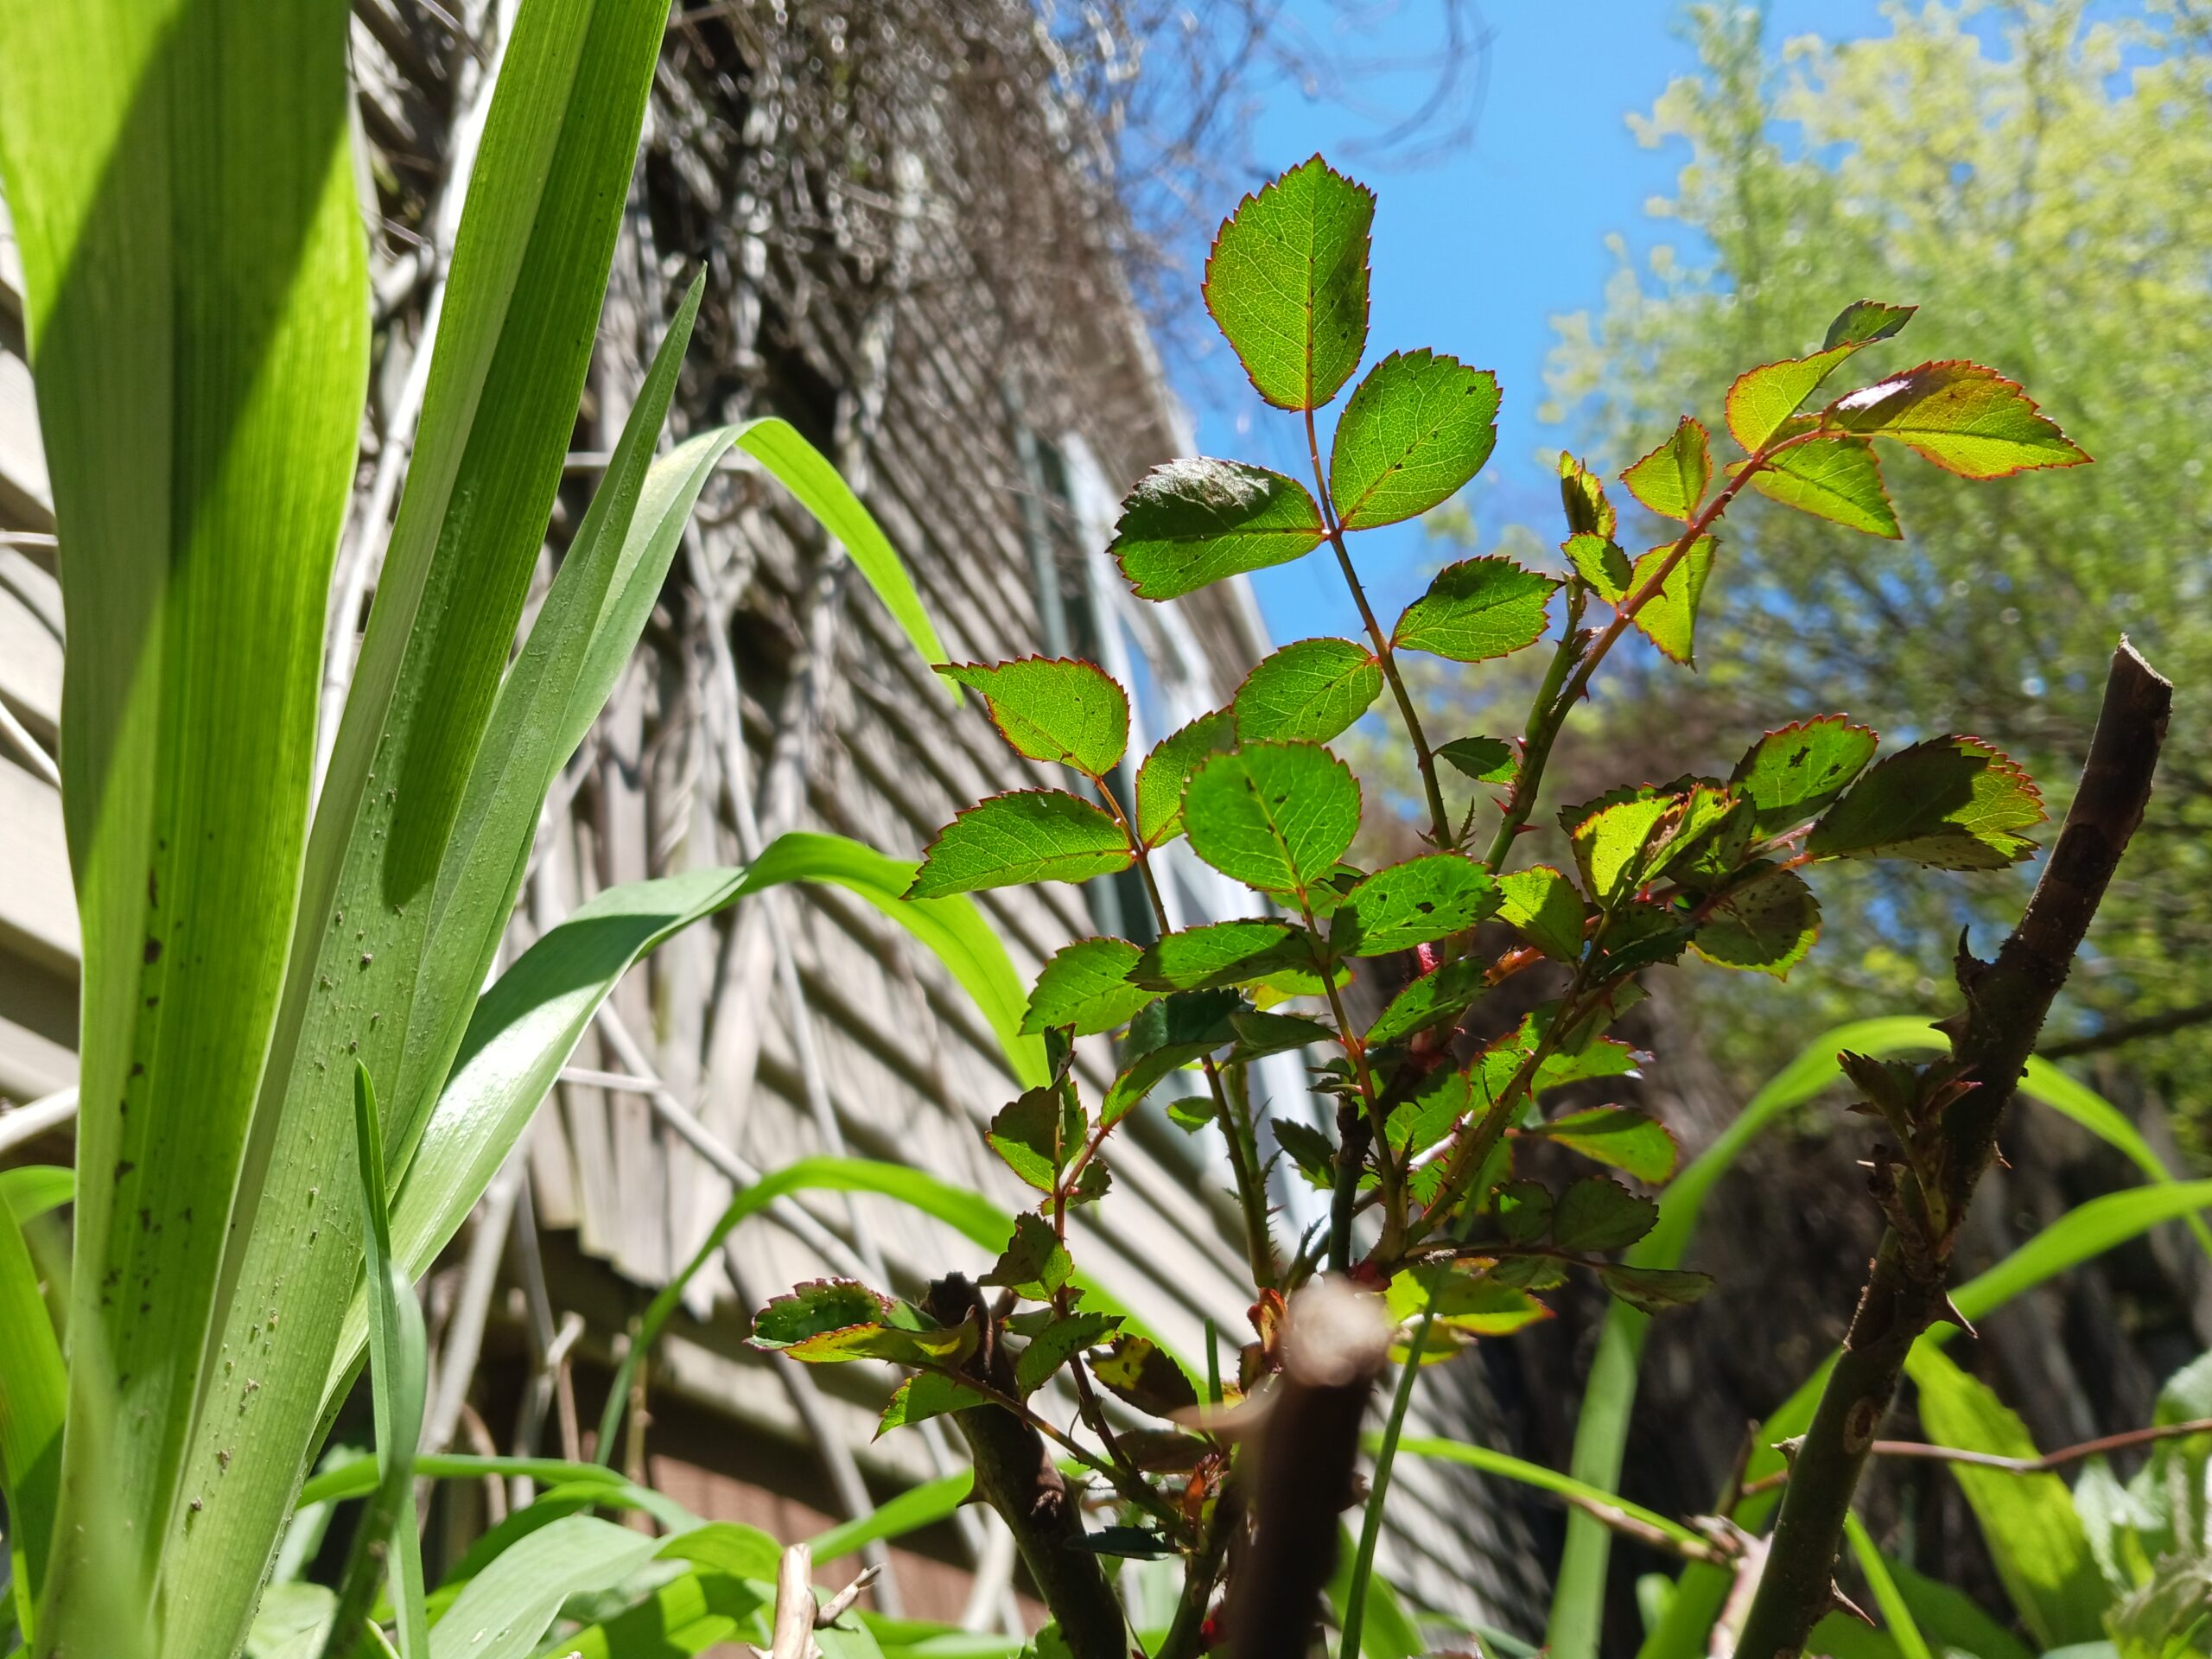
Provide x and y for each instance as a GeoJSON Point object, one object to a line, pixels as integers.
{"type": "Point", "coordinates": [1600, 563]}
{"type": "Point", "coordinates": [1668, 617]}
{"type": "Point", "coordinates": [1059, 1342]}
{"type": "Point", "coordinates": [1654, 1290]}
{"type": "Point", "coordinates": [1464, 1301]}
{"type": "Point", "coordinates": [1286, 282]}
{"type": "Point", "coordinates": [1032, 835]}
{"type": "Point", "coordinates": [1476, 609]}
{"type": "Point", "coordinates": [1416, 429]}
{"type": "Point", "coordinates": [1192, 522]}
{"type": "Point", "coordinates": [1086, 986]}
{"type": "Point", "coordinates": [1588, 513]}
{"type": "Point", "coordinates": [1671, 480]}
{"type": "Point", "coordinates": [1967, 419]}
{"type": "Point", "coordinates": [1435, 999]}
{"type": "Point", "coordinates": [1310, 1151]}
{"type": "Point", "coordinates": [1068, 713]}
{"type": "Point", "coordinates": [926, 1395]}
{"type": "Point", "coordinates": [1192, 1113]}
{"type": "Point", "coordinates": [1764, 398]}
{"type": "Point", "coordinates": [1038, 1132]}
{"type": "Point", "coordinates": [1864, 322]}
{"type": "Point", "coordinates": [1274, 816]}
{"type": "Point", "coordinates": [1544, 906]}
{"type": "Point", "coordinates": [1485, 759]}
{"type": "Point", "coordinates": [1618, 1136]}
{"type": "Point", "coordinates": [1422, 899]}
{"type": "Point", "coordinates": [1790, 775]}
{"type": "Point", "coordinates": [1955, 803]}
{"type": "Point", "coordinates": [1034, 1263]}
{"type": "Point", "coordinates": [1766, 928]}
{"type": "Point", "coordinates": [1173, 1032]}
{"type": "Point", "coordinates": [1611, 843]}
{"type": "Point", "coordinates": [1221, 953]}
{"type": "Point", "coordinates": [1167, 769]}
{"type": "Point", "coordinates": [1307, 692]}
{"type": "Point", "coordinates": [1837, 479]}
{"type": "Point", "coordinates": [1259, 1035]}
{"type": "Point", "coordinates": [1597, 1214]}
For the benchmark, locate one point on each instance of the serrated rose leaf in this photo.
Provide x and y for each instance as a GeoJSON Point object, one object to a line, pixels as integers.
{"type": "Point", "coordinates": [1765, 928]}
{"type": "Point", "coordinates": [1836, 478]}
{"type": "Point", "coordinates": [1221, 953]}
{"type": "Point", "coordinates": [1668, 617]}
{"type": "Point", "coordinates": [1056, 1344]}
{"type": "Point", "coordinates": [1588, 513]}
{"type": "Point", "coordinates": [1435, 999]}
{"type": "Point", "coordinates": [1619, 1137]}
{"type": "Point", "coordinates": [1167, 769]}
{"type": "Point", "coordinates": [1274, 816]}
{"type": "Point", "coordinates": [1606, 1057]}
{"type": "Point", "coordinates": [1790, 775]}
{"type": "Point", "coordinates": [1600, 563]}
{"type": "Point", "coordinates": [1524, 1211]}
{"type": "Point", "coordinates": [1038, 1132]}
{"type": "Point", "coordinates": [1464, 1301]}
{"type": "Point", "coordinates": [1193, 522]}
{"type": "Point", "coordinates": [1416, 429]}
{"type": "Point", "coordinates": [1033, 835]}
{"type": "Point", "coordinates": [1597, 1214]}
{"type": "Point", "coordinates": [818, 1306]}
{"type": "Point", "coordinates": [1543, 906]}
{"type": "Point", "coordinates": [1671, 480]}
{"type": "Point", "coordinates": [1310, 1151]}
{"type": "Point", "coordinates": [1422, 899]}
{"type": "Point", "coordinates": [1139, 1373]}
{"type": "Point", "coordinates": [1611, 843]}
{"type": "Point", "coordinates": [1955, 803]}
{"type": "Point", "coordinates": [1485, 759]}
{"type": "Point", "coordinates": [901, 1344]}
{"type": "Point", "coordinates": [1654, 1290]}
{"type": "Point", "coordinates": [1641, 935]}
{"type": "Point", "coordinates": [1173, 1032]}
{"type": "Point", "coordinates": [1086, 986]}
{"type": "Point", "coordinates": [1053, 709]}
{"type": "Point", "coordinates": [1763, 399]}
{"type": "Point", "coordinates": [1476, 609]}
{"type": "Point", "coordinates": [1308, 691]}
{"type": "Point", "coordinates": [1034, 1263]}
{"type": "Point", "coordinates": [926, 1395]}
{"type": "Point", "coordinates": [1864, 322]}
{"type": "Point", "coordinates": [1967, 419]}
{"type": "Point", "coordinates": [1259, 1035]}
{"type": "Point", "coordinates": [1286, 282]}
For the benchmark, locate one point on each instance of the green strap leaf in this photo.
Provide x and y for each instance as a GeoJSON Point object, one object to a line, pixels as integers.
{"type": "Point", "coordinates": [1162, 778]}
{"type": "Point", "coordinates": [508, 1607]}
{"type": "Point", "coordinates": [1070, 714]}
{"type": "Point", "coordinates": [1190, 523]}
{"type": "Point", "coordinates": [1276, 816]}
{"type": "Point", "coordinates": [1836, 478]}
{"type": "Point", "coordinates": [1671, 480]}
{"type": "Point", "coordinates": [399, 1375]}
{"type": "Point", "coordinates": [34, 1393]}
{"type": "Point", "coordinates": [1416, 429]}
{"type": "Point", "coordinates": [1967, 419]}
{"type": "Point", "coordinates": [1476, 609]}
{"type": "Point", "coordinates": [1307, 692]}
{"type": "Point", "coordinates": [1481, 1458]}
{"type": "Point", "coordinates": [1955, 803]}
{"type": "Point", "coordinates": [1896, 1614]}
{"type": "Point", "coordinates": [1031, 834]}
{"type": "Point", "coordinates": [1286, 282]}
{"type": "Point", "coordinates": [30, 1190]}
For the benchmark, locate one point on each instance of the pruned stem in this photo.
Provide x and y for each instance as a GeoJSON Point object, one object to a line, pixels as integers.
{"type": "Point", "coordinates": [1991, 1039]}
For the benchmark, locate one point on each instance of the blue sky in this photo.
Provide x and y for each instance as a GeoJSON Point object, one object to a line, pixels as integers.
{"type": "Point", "coordinates": [1475, 252]}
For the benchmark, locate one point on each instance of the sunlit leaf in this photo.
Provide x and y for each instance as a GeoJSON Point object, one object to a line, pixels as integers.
{"type": "Point", "coordinates": [1162, 778]}
{"type": "Point", "coordinates": [1286, 282]}
{"type": "Point", "coordinates": [1600, 563]}
{"type": "Point", "coordinates": [508, 1607]}
{"type": "Point", "coordinates": [1837, 479]}
{"type": "Point", "coordinates": [1067, 713]}
{"type": "Point", "coordinates": [1583, 495]}
{"type": "Point", "coordinates": [1619, 1136]}
{"type": "Point", "coordinates": [1762, 399]}
{"type": "Point", "coordinates": [1032, 835]}
{"type": "Point", "coordinates": [1952, 801]}
{"type": "Point", "coordinates": [1138, 1372]}
{"type": "Point", "coordinates": [1274, 816]}
{"type": "Point", "coordinates": [1668, 617]}
{"type": "Point", "coordinates": [1476, 609]}
{"type": "Point", "coordinates": [1544, 906]}
{"type": "Point", "coordinates": [398, 1366]}
{"type": "Point", "coordinates": [1086, 985]}
{"type": "Point", "coordinates": [1611, 843]}
{"type": "Point", "coordinates": [1422, 899]}
{"type": "Point", "coordinates": [1464, 1301]}
{"type": "Point", "coordinates": [924, 1395]}
{"type": "Point", "coordinates": [1767, 927]}
{"type": "Point", "coordinates": [1221, 953]}
{"type": "Point", "coordinates": [1671, 480]}
{"type": "Point", "coordinates": [1051, 1348]}
{"type": "Point", "coordinates": [1485, 759]}
{"type": "Point", "coordinates": [1967, 419]}
{"type": "Point", "coordinates": [1189, 523]}
{"type": "Point", "coordinates": [1034, 1263]}
{"type": "Point", "coordinates": [1790, 775]}
{"type": "Point", "coordinates": [1416, 429]}
{"type": "Point", "coordinates": [1864, 322]}
{"type": "Point", "coordinates": [1308, 691]}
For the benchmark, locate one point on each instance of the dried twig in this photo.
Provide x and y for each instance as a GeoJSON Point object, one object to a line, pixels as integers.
{"type": "Point", "coordinates": [2066, 1456]}
{"type": "Point", "coordinates": [797, 1615]}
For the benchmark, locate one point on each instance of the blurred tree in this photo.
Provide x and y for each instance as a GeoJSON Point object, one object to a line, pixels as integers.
{"type": "Point", "coordinates": [2036, 179]}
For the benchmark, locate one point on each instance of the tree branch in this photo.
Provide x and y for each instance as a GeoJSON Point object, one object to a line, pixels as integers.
{"type": "Point", "coordinates": [1991, 1039]}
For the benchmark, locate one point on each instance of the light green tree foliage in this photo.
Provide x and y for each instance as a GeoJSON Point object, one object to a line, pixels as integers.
{"type": "Point", "coordinates": [2036, 182]}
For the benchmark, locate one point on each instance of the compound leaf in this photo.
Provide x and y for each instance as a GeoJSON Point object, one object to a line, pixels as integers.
{"type": "Point", "coordinates": [1276, 816]}
{"type": "Point", "coordinates": [1618, 1136]}
{"type": "Point", "coordinates": [1308, 691]}
{"type": "Point", "coordinates": [1836, 478]}
{"type": "Point", "coordinates": [1167, 769]}
{"type": "Point", "coordinates": [1967, 419]}
{"type": "Point", "coordinates": [1653, 1290]}
{"type": "Point", "coordinates": [817, 1307]}
{"type": "Point", "coordinates": [1476, 609]}
{"type": "Point", "coordinates": [1671, 480]}
{"type": "Point", "coordinates": [1588, 513]}
{"type": "Point", "coordinates": [1544, 906]}
{"type": "Point", "coordinates": [1790, 775]}
{"type": "Point", "coordinates": [1955, 803]}
{"type": "Point", "coordinates": [1864, 322]}
{"type": "Point", "coordinates": [1422, 899]}
{"type": "Point", "coordinates": [1762, 399]}
{"type": "Point", "coordinates": [1086, 986]}
{"type": "Point", "coordinates": [1032, 835]}
{"type": "Point", "coordinates": [1597, 1214]}
{"type": "Point", "coordinates": [1038, 1132]}
{"type": "Point", "coordinates": [1668, 617]}
{"type": "Point", "coordinates": [1766, 928]}
{"type": "Point", "coordinates": [1053, 1346]}
{"type": "Point", "coordinates": [1065, 712]}
{"type": "Point", "coordinates": [1485, 759]}
{"type": "Point", "coordinates": [1192, 522]}
{"type": "Point", "coordinates": [1286, 282]}
{"type": "Point", "coordinates": [926, 1395]}
{"type": "Point", "coordinates": [1435, 999]}
{"type": "Point", "coordinates": [1416, 429]}
{"type": "Point", "coordinates": [1221, 953]}
{"type": "Point", "coordinates": [1600, 563]}
{"type": "Point", "coordinates": [1034, 1263]}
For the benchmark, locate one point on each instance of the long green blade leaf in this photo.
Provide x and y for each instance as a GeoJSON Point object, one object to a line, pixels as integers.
{"type": "Point", "coordinates": [527, 279]}
{"type": "Point", "coordinates": [510, 1604]}
{"type": "Point", "coordinates": [912, 1510]}
{"type": "Point", "coordinates": [28, 1191]}
{"type": "Point", "coordinates": [32, 1390]}
{"type": "Point", "coordinates": [1896, 1614]}
{"type": "Point", "coordinates": [398, 1364]}
{"type": "Point", "coordinates": [197, 306]}
{"type": "Point", "coordinates": [1549, 1480]}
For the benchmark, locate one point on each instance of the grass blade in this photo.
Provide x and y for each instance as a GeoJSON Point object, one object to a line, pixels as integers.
{"type": "Point", "coordinates": [196, 295]}
{"type": "Point", "coordinates": [30, 1190]}
{"type": "Point", "coordinates": [399, 1361]}
{"type": "Point", "coordinates": [510, 1605]}
{"type": "Point", "coordinates": [32, 1391]}
{"type": "Point", "coordinates": [912, 1510]}
{"type": "Point", "coordinates": [527, 279]}
{"type": "Point", "coordinates": [1897, 1616]}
